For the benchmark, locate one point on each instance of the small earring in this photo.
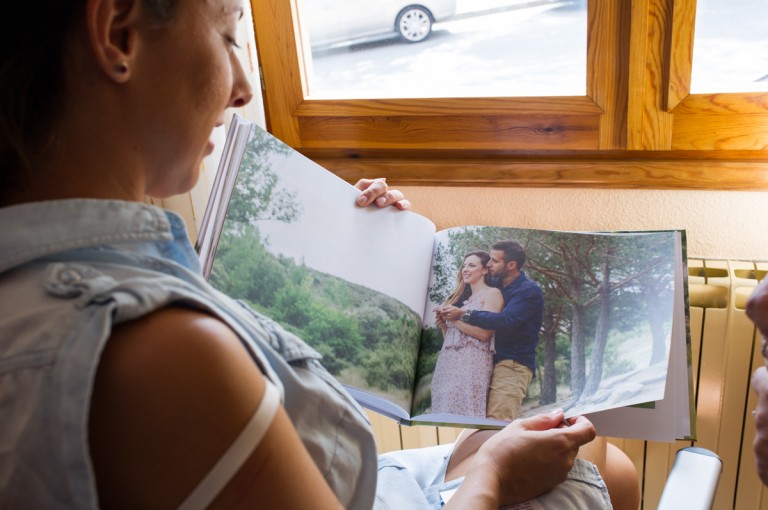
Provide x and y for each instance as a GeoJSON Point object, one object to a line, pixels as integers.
{"type": "Point", "coordinates": [121, 67]}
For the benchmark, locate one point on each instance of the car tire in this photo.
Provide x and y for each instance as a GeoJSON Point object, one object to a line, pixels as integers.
{"type": "Point", "coordinates": [414, 23]}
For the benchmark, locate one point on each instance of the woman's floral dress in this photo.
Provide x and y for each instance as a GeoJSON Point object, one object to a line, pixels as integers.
{"type": "Point", "coordinates": [463, 370]}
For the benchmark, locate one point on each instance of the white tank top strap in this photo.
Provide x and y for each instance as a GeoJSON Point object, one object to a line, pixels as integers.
{"type": "Point", "coordinates": [238, 452]}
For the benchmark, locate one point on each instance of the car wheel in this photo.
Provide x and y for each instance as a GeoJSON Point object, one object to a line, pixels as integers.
{"type": "Point", "coordinates": [414, 23]}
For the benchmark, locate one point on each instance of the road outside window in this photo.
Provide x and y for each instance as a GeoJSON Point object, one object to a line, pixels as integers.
{"type": "Point", "coordinates": [730, 48]}
{"type": "Point", "coordinates": [445, 48]}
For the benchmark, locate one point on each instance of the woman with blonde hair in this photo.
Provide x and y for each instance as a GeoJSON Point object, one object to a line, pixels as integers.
{"type": "Point", "coordinates": [465, 363]}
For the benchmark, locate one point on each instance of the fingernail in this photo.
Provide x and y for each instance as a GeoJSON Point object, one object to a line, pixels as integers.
{"type": "Point", "coordinates": [381, 200]}
{"type": "Point", "coordinates": [362, 200]}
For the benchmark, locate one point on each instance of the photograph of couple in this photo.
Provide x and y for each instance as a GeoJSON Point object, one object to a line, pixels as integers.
{"type": "Point", "coordinates": [491, 326]}
{"type": "Point", "coordinates": [474, 324]}
{"type": "Point", "coordinates": [527, 322]}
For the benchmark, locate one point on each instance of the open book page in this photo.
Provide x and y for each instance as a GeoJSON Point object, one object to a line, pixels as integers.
{"type": "Point", "coordinates": [612, 329]}
{"type": "Point", "coordinates": [362, 287]}
{"type": "Point", "coordinates": [672, 417]}
{"type": "Point", "coordinates": [350, 281]}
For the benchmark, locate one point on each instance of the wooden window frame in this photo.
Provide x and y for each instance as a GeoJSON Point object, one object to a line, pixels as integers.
{"type": "Point", "coordinates": [637, 126]}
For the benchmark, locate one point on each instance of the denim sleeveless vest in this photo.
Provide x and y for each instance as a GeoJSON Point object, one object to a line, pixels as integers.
{"type": "Point", "coordinates": [72, 269]}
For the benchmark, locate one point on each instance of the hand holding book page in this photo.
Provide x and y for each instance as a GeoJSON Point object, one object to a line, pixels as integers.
{"type": "Point", "coordinates": [362, 287]}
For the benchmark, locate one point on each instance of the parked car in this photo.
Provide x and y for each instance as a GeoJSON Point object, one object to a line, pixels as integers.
{"type": "Point", "coordinates": [333, 22]}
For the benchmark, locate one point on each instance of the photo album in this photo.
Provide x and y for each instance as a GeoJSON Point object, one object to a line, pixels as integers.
{"type": "Point", "coordinates": [597, 322]}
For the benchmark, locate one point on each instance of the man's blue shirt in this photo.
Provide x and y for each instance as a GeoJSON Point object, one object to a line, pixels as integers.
{"type": "Point", "coordinates": [517, 326]}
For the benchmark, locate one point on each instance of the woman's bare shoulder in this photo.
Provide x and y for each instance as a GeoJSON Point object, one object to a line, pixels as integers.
{"type": "Point", "coordinates": [493, 293]}
{"type": "Point", "coordinates": [493, 299]}
{"type": "Point", "coordinates": [172, 350]}
{"type": "Point", "coordinates": [172, 391]}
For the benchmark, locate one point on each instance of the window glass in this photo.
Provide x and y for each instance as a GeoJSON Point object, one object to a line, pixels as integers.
{"type": "Point", "coordinates": [444, 48]}
{"type": "Point", "coordinates": [730, 49]}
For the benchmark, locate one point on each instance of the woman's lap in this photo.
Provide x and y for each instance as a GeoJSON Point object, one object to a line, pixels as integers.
{"type": "Point", "coordinates": [414, 480]}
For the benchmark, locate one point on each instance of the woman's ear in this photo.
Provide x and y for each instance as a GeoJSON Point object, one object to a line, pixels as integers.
{"type": "Point", "coordinates": [112, 27]}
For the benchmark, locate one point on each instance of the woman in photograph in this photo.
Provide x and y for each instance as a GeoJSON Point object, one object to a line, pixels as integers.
{"type": "Point", "coordinates": [465, 364]}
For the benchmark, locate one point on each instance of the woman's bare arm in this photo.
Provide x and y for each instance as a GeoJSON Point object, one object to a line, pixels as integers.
{"type": "Point", "coordinates": [474, 331]}
{"type": "Point", "coordinates": [173, 390]}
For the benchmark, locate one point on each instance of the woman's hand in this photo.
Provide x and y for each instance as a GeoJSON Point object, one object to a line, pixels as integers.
{"type": "Point", "coordinates": [376, 191]}
{"type": "Point", "coordinates": [439, 319]}
{"type": "Point", "coordinates": [757, 310]}
{"type": "Point", "coordinates": [454, 313]}
{"type": "Point", "coordinates": [532, 456]}
{"type": "Point", "coordinates": [451, 313]}
{"type": "Point", "coordinates": [527, 458]}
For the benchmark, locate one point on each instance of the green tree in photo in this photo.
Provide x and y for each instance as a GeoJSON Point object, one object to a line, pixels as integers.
{"type": "Point", "coordinates": [294, 305]}
{"type": "Point", "coordinates": [336, 336]}
{"type": "Point", "coordinates": [245, 270]}
{"type": "Point", "coordinates": [590, 273]}
{"type": "Point", "coordinates": [387, 368]}
{"type": "Point", "coordinates": [374, 324]}
{"type": "Point", "coordinates": [257, 195]}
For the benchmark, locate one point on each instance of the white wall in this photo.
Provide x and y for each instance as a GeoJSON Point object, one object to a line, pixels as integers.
{"type": "Point", "coordinates": [719, 224]}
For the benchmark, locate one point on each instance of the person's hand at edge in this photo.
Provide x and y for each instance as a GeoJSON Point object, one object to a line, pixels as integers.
{"type": "Point", "coordinates": [376, 191]}
{"type": "Point", "coordinates": [760, 444]}
{"type": "Point", "coordinates": [757, 311]}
